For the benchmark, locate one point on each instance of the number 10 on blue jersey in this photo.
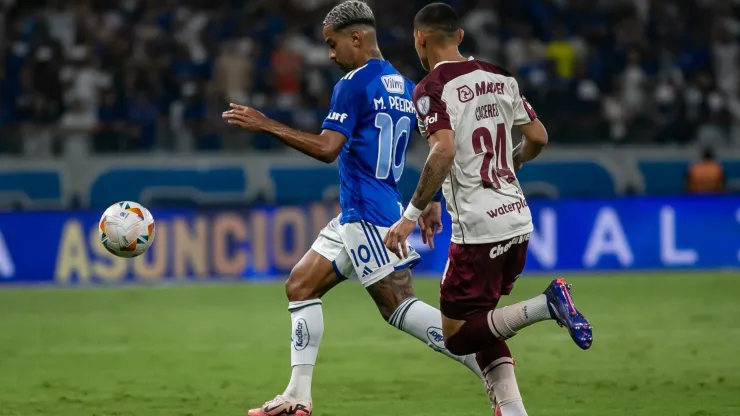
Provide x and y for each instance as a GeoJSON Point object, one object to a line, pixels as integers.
{"type": "Point", "coordinates": [389, 145]}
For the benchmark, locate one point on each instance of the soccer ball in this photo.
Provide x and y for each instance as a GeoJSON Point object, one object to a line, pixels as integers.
{"type": "Point", "coordinates": [126, 229]}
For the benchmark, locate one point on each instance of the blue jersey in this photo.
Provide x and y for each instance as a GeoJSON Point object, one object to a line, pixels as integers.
{"type": "Point", "coordinates": [372, 107]}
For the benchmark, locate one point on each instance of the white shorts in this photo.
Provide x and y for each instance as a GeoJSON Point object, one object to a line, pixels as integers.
{"type": "Point", "coordinates": [357, 249]}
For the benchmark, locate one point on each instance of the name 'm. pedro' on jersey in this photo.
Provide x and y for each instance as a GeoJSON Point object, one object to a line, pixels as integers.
{"type": "Point", "coordinates": [372, 107]}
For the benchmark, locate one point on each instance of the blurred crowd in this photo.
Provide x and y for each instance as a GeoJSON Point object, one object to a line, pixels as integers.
{"type": "Point", "coordinates": [105, 76]}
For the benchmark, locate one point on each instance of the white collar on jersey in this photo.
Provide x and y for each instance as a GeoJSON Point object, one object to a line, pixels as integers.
{"type": "Point", "coordinates": [470, 58]}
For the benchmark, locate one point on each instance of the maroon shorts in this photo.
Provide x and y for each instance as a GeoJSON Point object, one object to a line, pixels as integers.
{"type": "Point", "coordinates": [477, 275]}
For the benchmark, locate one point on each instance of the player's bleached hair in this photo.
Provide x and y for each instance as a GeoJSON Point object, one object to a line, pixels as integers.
{"type": "Point", "coordinates": [348, 13]}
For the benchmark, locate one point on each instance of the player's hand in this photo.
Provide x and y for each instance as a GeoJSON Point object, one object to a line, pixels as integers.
{"type": "Point", "coordinates": [430, 223]}
{"type": "Point", "coordinates": [517, 165]}
{"type": "Point", "coordinates": [517, 157]}
{"type": "Point", "coordinates": [395, 240]}
{"type": "Point", "coordinates": [245, 117]}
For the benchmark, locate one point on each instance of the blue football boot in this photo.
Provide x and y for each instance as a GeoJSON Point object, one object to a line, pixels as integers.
{"type": "Point", "coordinates": [564, 312]}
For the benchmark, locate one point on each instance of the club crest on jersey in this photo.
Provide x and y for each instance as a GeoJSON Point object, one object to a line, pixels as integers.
{"type": "Point", "coordinates": [393, 84]}
{"type": "Point", "coordinates": [465, 94]}
{"type": "Point", "coordinates": [422, 104]}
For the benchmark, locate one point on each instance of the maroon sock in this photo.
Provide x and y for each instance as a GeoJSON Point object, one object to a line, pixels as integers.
{"type": "Point", "coordinates": [475, 335]}
{"type": "Point", "coordinates": [486, 357]}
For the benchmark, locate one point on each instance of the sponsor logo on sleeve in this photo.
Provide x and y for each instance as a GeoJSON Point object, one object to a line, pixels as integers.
{"type": "Point", "coordinates": [429, 120]}
{"type": "Point", "coordinates": [334, 116]}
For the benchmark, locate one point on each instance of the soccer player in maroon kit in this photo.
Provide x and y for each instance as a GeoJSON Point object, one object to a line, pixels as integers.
{"type": "Point", "coordinates": [466, 109]}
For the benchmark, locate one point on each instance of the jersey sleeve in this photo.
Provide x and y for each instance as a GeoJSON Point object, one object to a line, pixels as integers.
{"type": "Point", "coordinates": [420, 127]}
{"type": "Point", "coordinates": [342, 115]}
{"type": "Point", "coordinates": [431, 108]}
{"type": "Point", "coordinates": [523, 111]}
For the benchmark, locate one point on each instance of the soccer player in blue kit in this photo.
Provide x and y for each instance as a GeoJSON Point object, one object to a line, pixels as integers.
{"type": "Point", "coordinates": [368, 128]}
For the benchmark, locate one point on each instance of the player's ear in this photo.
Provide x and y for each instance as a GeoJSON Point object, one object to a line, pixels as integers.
{"type": "Point", "coordinates": [356, 37]}
{"type": "Point", "coordinates": [420, 38]}
{"type": "Point", "coordinates": [460, 35]}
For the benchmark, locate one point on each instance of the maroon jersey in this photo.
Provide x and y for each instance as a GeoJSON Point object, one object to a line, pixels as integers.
{"type": "Point", "coordinates": [480, 102]}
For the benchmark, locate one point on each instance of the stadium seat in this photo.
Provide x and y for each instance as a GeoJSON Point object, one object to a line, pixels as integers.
{"type": "Point", "coordinates": [664, 177]}
{"type": "Point", "coordinates": [200, 185]}
{"type": "Point", "coordinates": [24, 188]}
{"type": "Point", "coordinates": [304, 185]}
{"type": "Point", "coordinates": [567, 179]}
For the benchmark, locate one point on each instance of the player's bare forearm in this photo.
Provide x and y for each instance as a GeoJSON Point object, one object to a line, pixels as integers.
{"type": "Point", "coordinates": [534, 139]}
{"type": "Point", "coordinates": [436, 168]}
{"type": "Point", "coordinates": [324, 147]}
{"type": "Point", "coordinates": [530, 149]}
{"type": "Point", "coordinates": [435, 171]}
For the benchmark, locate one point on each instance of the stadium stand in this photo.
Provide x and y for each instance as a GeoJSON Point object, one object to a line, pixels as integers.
{"type": "Point", "coordinates": [95, 77]}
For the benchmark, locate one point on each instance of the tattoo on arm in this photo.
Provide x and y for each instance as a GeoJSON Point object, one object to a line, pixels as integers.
{"type": "Point", "coordinates": [436, 169]}
{"type": "Point", "coordinates": [390, 291]}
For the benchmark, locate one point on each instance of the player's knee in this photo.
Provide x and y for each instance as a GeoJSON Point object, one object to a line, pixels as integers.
{"type": "Point", "coordinates": [455, 342]}
{"type": "Point", "coordinates": [450, 327]}
{"type": "Point", "coordinates": [298, 287]}
{"type": "Point", "coordinates": [455, 346]}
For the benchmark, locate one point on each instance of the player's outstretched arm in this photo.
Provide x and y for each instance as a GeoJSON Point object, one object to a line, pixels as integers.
{"type": "Point", "coordinates": [436, 169]}
{"type": "Point", "coordinates": [324, 147]}
{"type": "Point", "coordinates": [534, 139]}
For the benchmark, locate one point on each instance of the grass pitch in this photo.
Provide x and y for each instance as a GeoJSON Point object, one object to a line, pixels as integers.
{"type": "Point", "coordinates": [664, 345]}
